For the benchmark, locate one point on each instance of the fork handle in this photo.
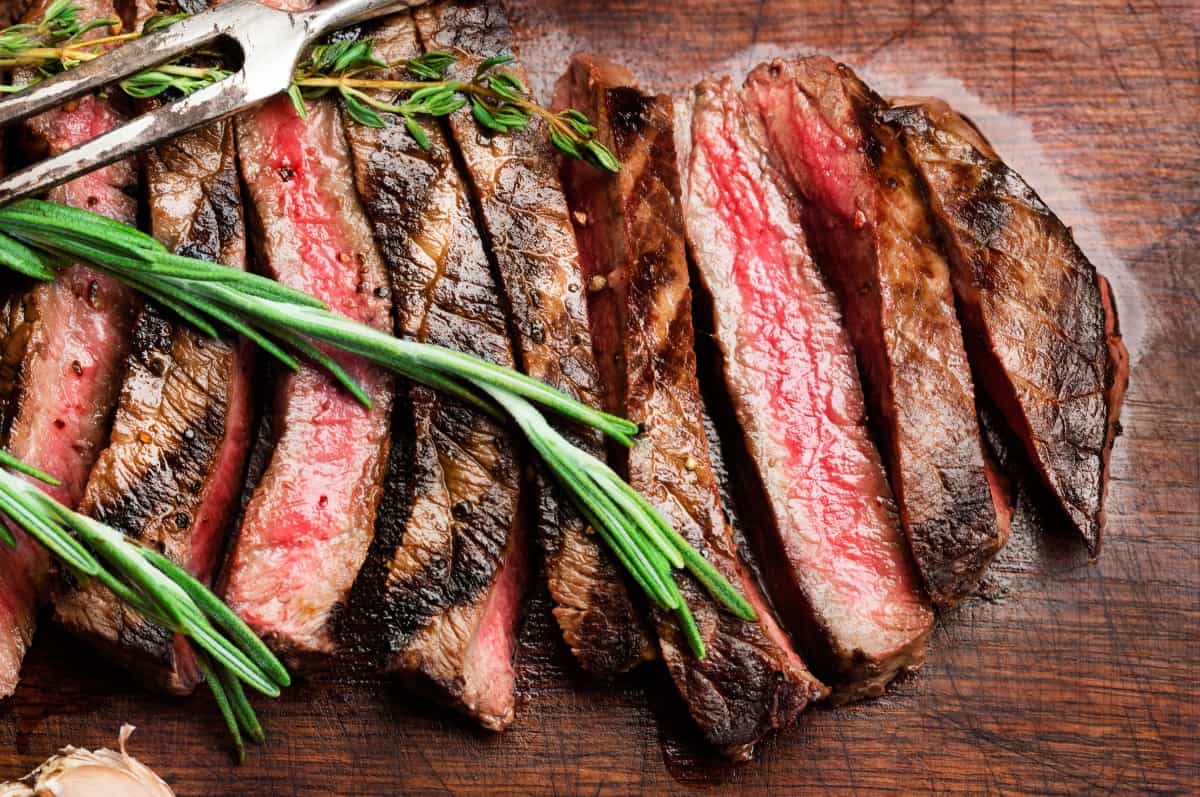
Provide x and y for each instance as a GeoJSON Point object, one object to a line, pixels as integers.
{"type": "Point", "coordinates": [340, 13]}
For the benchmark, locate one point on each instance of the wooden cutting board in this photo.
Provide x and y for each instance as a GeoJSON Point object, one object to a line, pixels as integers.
{"type": "Point", "coordinates": [1063, 677]}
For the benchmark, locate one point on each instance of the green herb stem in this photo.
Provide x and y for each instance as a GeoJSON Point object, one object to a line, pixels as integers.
{"type": "Point", "coordinates": [283, 321]}
{"type": "Point", "coordinates": [149, 583]}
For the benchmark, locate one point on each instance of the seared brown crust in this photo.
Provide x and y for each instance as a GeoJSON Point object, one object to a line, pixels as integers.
{"type": "Point", "coordinates": [181, 431]}
{"type": "Point", "coordinates": [449, 518]}
{"type": "Point", "coordinates": [630, 229]}
{"type": "Point", "coordinates": [874, 237]}
{"type": "Point", "coordinates": [525, 218]}
{"type": "Point", "coordinates": [1041, 324]}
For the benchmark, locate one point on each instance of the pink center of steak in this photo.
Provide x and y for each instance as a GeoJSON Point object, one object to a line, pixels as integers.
{"type": "Point", "coordinates": [488, 664]}
{"type": "Point", "coordinates": [794, 380]}
{"type": "Point", "coordinates": [225, 480]}
{"type": "Point", "coordinates": [69, 374]}
{"type": "Point", "coordinates": [307, 528]}
{"type": "Point", "coordinates": [71, 381]}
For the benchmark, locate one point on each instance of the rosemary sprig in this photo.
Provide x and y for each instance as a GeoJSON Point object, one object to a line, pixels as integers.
{"type": "Point", "coordinates": [41, 235]}
{"type": "Point", "coordinates": [153, 585]}
{"type": "Point", "coordinates": [499, 101]}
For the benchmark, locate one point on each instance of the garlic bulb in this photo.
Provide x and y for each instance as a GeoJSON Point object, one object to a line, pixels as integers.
{"type": "Point", "coordinates": [76, 772]}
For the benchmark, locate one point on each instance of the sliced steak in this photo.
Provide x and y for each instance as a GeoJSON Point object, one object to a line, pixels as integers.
{"type": "Point", "coordinates": [310, 520]}
{"type": "Point", "coordinates": [631, 239]}
{"type": "Point", "coordinates": [873, 235]}
{"type": "Point", "coordinates": [64, 347]}
{"type": "Point", "coordinates": [182, 429]}
{"type": "Point", "coordinates": [524, 215]}
{"type": "Point", "coordinates": [1040, 322]}
{"type": "Point", "coordinates": [440, 593]}
{"type": "Point", "coordinates": [830, 547]}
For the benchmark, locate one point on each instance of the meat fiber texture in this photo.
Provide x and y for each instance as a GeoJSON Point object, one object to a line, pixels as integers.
{"type": "Point", "coordinates": [631, 238]}
{"type": "Point", "coordinates": [873, 236]}
{"type": "Point", "coordinates": [310, 520]}
{"type": "Point", "coordinates": [438, 599]}
{"type": "Point", "coordinates": [833, 555]}
{"type": "Point", "coordinates": [62, 352]}
{"type": "Point", "coordinates": [516, 187]}
{"type": "Point", "coordinates": [1040, 322]}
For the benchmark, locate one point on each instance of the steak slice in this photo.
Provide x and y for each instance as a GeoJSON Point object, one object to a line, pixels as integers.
{"type": "Point", "coordinates": [308, 524]}
{"type": "Point", "coordinates": [631, 237]}
{"type": "Point", "coordinates": [182, 429]}
{"type": "Point", "coordinates": [1041, 326]}
{"type": "Point", "coordinates": [524, 214]}
{"type": "Point", "coordinates": [64, 347]}
{"type": "Point", "coordinates": [873, 235]}
{"type": "Point", "coordinates": [830, 547]}
{"type": "Point", "coordinates": [440, 593]}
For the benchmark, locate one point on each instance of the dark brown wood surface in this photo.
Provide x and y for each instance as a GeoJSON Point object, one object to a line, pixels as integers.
{"type": "Point", "coordinates": [1063, 677]}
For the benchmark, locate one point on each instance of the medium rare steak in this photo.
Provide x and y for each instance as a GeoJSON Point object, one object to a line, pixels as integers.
{"type": "Point", "coordinates": [873, 236]}
{"type": "Point", "coordinates": [830, 547]}
{"type": "Point", "coordinates": [64, 347]}
{"type": "Point", "coordinates": [1040, 322]}
{"type": "Point", "coordinates": [631, 240]}
{"type": "Point", "coordinates": [440, 593]}
{"type": "Point", "coordinates": [182, 429]}
{"type": "Point", "coordinates": [517, 189]}
{"type": "Point", "coordinates": [310, 520]}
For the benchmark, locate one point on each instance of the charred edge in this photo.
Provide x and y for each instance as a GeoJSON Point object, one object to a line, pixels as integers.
{"type": "Point", "coordinates": [135, 510]}
{"type": "Point", "coordinates": [399, 177]}
{"type": "Point", "coordinates": [480, 29]}
{"type": "Point", "coordinates": [630, 112]}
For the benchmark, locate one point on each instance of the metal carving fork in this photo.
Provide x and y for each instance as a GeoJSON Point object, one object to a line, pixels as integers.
{"type": "Point", "coordinates": [271, 44]}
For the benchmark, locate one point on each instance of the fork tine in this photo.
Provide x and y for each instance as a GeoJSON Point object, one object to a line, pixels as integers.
{"type": "Point", "coordinates": [207, 105]}
{"type": "Point", "coordinates": [128, 59]}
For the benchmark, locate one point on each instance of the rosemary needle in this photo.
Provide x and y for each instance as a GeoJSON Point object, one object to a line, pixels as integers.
{"type": "Point", "coordinates": [152, 585]}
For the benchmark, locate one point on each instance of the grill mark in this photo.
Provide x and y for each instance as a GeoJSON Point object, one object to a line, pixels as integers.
{"type": "Point", "coordinates": [157, 496]}
{"type": "Point", "coordinates": [1043, 337]}
{"type": "Point", "coordinates": [451, 500]}
{"type": "Point", "coordinates": [524, 219]}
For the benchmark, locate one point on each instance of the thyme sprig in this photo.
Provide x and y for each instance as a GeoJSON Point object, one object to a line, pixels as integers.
{"type": "Point", "coordinates": [36, 236]}
{"type": "Point", "coordinates": [150, 583]}
{"type": "Point", "coordinates": [499, 101]}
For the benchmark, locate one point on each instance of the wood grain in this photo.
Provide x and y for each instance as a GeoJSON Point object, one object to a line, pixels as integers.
{"type": "Point", "coordinates": [1062, 677]}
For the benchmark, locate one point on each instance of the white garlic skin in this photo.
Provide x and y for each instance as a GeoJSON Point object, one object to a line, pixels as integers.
{"type": "Point", "coordinates": [76, 772]}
